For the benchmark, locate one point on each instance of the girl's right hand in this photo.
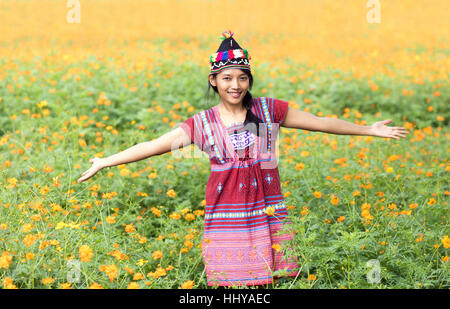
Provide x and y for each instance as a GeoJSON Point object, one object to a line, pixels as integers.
{"type": "Point", "coordinates": [97, 164]}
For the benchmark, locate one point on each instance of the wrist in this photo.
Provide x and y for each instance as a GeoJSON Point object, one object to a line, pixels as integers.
{"type": "Point", "coordinates": [370, 131]}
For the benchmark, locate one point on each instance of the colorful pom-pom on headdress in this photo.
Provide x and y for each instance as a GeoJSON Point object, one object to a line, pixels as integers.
{"type": "Point", "coordinates": [226, 35]}
{"type": "Point", "coordinates": [229, 55]}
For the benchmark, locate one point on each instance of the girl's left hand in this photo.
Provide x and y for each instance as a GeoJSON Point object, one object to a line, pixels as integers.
{"type": "Point", "coordinates": [381, 130]}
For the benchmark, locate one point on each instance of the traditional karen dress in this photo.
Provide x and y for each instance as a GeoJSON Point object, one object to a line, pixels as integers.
{"type": "Point", "coordinates": [240, 239]}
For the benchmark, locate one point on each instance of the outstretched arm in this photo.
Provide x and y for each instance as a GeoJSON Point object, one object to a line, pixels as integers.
{"type": "Point", "coordinates": [172, 140]}
{"type": "Point", "coordinates": [303, 120]}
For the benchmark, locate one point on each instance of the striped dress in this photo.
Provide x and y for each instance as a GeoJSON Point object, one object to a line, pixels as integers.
{"type": "Point", "coordinates": [240, 243]}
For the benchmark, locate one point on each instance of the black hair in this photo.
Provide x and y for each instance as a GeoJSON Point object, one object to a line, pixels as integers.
{"type": "Point", "coordinates": [247, 101]}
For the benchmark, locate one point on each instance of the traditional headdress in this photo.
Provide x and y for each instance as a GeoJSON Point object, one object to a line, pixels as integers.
{"type": "Point", "coordinates": [229, 55]}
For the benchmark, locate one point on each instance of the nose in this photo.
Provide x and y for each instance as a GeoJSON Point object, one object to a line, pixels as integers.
{"type": "Point", "coordinates": [235, 84]}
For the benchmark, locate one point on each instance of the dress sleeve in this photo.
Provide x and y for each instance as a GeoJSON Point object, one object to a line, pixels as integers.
{"type": "Point", "coordinates": [194, 128]}
{"type": "Point", "coordinates": [188, 127]}
{"type": "Point", "coordinates": [279, 109]}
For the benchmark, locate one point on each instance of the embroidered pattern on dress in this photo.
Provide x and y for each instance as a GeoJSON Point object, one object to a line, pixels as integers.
{"type": "Point", "coordinates": [210, 136]}
{"type": "Point", "coordinates": [244, 214]}
{"type": "Point", "coordinates": [269, 123]}
{"type": "Point", "coordinates": [242, 140]}
{"type": "Point", "coordinates": [268, 178]}
{"type": "Point", "coordinates": [219, 187]}
{"type": "Point", "coordinates": [254, 183]}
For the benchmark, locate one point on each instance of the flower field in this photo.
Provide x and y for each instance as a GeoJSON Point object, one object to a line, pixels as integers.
{"type": "Point", "coordinates": [367, 212]}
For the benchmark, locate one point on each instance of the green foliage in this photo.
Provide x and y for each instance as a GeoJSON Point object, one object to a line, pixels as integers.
{"type": "Point", "coordinates": [337, 253]}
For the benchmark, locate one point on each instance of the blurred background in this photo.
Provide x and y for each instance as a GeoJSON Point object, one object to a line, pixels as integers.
{"type": "Point", "coordinates": [412, 35]}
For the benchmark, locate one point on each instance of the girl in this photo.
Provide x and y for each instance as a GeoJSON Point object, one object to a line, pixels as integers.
{"type": "Point", "coordinates": [245, 211]}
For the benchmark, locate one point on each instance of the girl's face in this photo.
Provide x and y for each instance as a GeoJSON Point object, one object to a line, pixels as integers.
{"type": "Point", "coordinates": [232, 85]}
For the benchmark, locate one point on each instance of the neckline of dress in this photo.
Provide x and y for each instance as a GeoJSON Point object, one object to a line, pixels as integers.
{"type": "Point", "coordinates": [216, 110]}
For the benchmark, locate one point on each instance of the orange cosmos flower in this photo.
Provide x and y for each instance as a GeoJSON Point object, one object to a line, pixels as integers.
{"type": "Point", "coordinates": [129, 228]}
{"type": "Point", "coordinates": [95, 286]}
{"type": "Point", "coordinates": [133, 285]}
{"type": "Point", "coordinates": [187, 284]}
{"type": "Point", "coordinates": [190, 217]}
{"type": "Point", "coordinates": [5, 260]}
{"type": "Point", "coordinates": [47, 280]}
{"type": "Point", "coordinates": [8, 283]}
{"type": "Point", "coordinates": [276, 247]}
{"type": "Point", "coordinates": [334, 199]}
{"type": "Point", "coordinates": [157, 255]}
{"type": "Point", "coordinates": [171, 193]}
{"type": "Point", "coordinates": [446, 241]}
{"type": "Point", "coordinates": [110, 270]}
{"type": "Point", "coordinates": [85, 253]}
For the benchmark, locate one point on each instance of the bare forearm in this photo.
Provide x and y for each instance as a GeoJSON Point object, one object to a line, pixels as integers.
{"type": "Point", "coordinates": [135, 153]}
{"type": "Point", "coordinates": [339, 126]}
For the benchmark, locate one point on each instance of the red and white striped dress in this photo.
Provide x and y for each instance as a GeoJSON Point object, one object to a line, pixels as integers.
{"type": "Point", "coordinates": [238, 235]}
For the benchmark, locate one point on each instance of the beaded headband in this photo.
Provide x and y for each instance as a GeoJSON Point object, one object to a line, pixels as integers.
{"type": "Point", "coordinates": [229, 56]}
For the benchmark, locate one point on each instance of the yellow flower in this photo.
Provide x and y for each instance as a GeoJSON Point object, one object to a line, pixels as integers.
{"type": "Point", "coordinates": [187, 284]}
{"type": "Point", "coordinates": [446, 241]}
{"type": "Point", "coordinates": [110, 219]}
{"type": "Point", "coordinates": [60, 225]}
{"type": "Point", "coordinates": [317, 194]}
{"type": "Point", "coordinates": [340, 219]}
{"type": "Point", "coordinates": [27, 227]}
{"type": "Point", "coordinates": [270, 210]}
{"type": "Point", "coordinates": [312, 277]}
{"type": "Point", "coordinates": [141, 262]}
